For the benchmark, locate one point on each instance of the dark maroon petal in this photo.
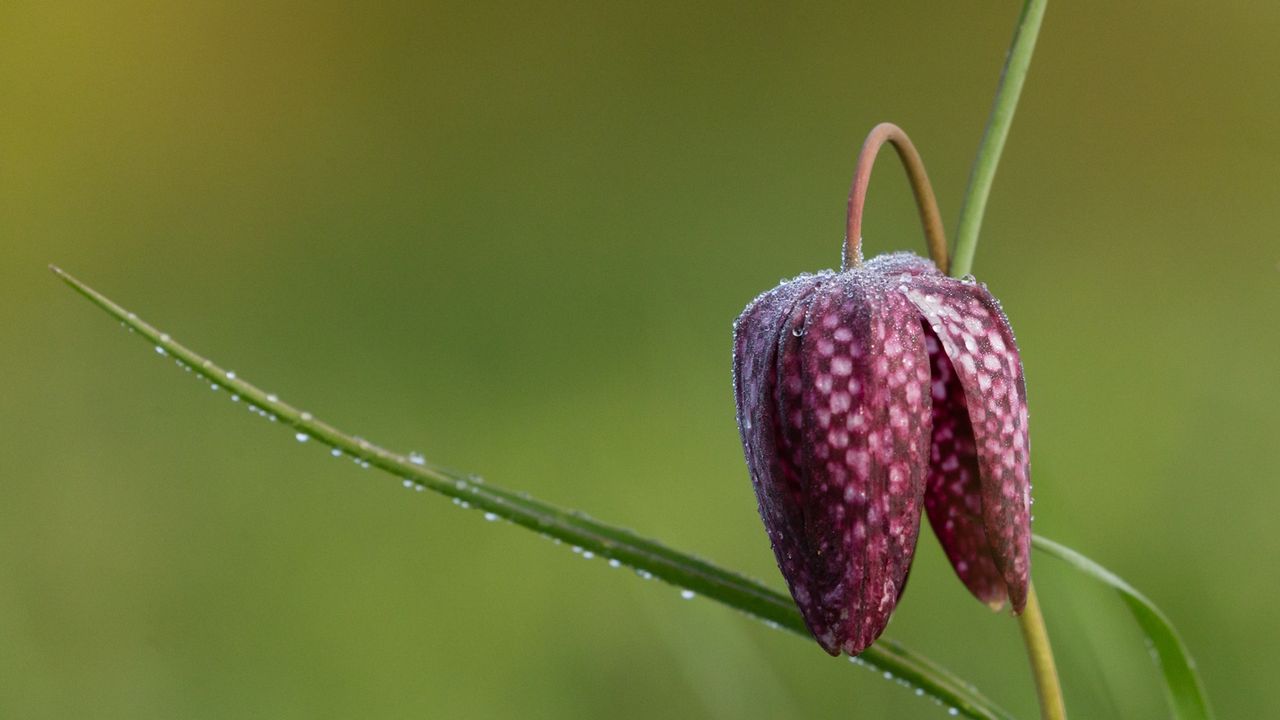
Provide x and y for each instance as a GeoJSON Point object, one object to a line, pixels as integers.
{"type": "Point", "coordinates": [860, 388]}
{"type": "Point", "coordinates": [775, 480]}
{"type": "Point", "coordinates": [976, 338]}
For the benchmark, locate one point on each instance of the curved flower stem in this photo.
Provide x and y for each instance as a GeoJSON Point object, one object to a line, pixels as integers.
{"type": "Point", "coordinates": [934, 233]}
{"type": "Point", "coordinates": [1040, 654]}
{"type": "Point", "coordinates": [589, 536]}
{"type": "Point", "coordinates": [984, 165]}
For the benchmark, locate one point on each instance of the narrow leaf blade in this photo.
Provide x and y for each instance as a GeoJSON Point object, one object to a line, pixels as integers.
{"type": "Point", "coordinates": [1182, 683]}
{"type": "Point", "coordinates": [648, 557]}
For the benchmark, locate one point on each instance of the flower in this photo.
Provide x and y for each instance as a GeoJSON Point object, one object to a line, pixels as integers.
{"type": "Point", "coordinates": [864, 396]}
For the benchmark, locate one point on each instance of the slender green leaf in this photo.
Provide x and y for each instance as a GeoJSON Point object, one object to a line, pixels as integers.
{"type": "Point", "coordinates": [1185, 692]}
{"type": "Point", "coordinates": [648, 557]}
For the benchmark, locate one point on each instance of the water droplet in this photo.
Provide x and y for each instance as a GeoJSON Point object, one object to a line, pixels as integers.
{"type": "Point", "coordinates": [577, 550]}
{"type": "Point", "coordinates": [272, 398]}
{"type": "Point", "coordinates": [213, 386]}
{"type": "Point", "coordinates": [231, 374]}
{"type": "Point", "coordinates": [301, 437]}
{"type": "Point", "coordinates": [969, 279]}
{"type": "Point", "coordinates": [408, 483]}
{"type": "Point", "coordinates": [490, 516]}
{"type": "Point", "coordinates": [953, 712]}
{"type": "Point", "coordinates": [164, 337]}
{"type": "Point", "coordinates": [417, 458]}
{"type": "Point", "coordinates": [688, 594]}
{"type": "Point", "coordinates": [614, 563]}
{"type": "Point", "coordinates": [235, 398]}
{"type": "Point", "coordinates": [587, 554]}
{"type": "Point", "coordinates": [335, 452]}
{"type": "Point", "coordinates": [160, 351]}
{"type": "Point", "coordinates": [306, 417]}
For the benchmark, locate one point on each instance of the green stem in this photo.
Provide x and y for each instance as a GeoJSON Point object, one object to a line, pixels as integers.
{"type": "Point", "coordinates": [616, 545]}
{"type": "Point", "coordinates": [984, 165]}
{"type": "Point", "coordinates": [1036, 638]}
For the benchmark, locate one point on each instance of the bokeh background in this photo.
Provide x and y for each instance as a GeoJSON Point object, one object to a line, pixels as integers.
{"type": "Point", "coordinates": [513, 237]}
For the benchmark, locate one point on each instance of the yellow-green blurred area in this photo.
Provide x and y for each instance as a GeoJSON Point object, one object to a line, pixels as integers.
{"type": "Point", "coordinates": [513, 237]}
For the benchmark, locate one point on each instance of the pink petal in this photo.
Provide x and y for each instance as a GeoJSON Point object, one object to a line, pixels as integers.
{"type": "Point", "coordinates": [862, 378]}
{"type": "Point", "coordinates": [953, 494]}
{"type": "Point", "coordinates": [976, 338]}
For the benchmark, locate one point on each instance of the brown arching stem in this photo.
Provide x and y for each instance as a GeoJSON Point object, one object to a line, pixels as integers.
{"type": "Point", "coordinates": [935, 235]}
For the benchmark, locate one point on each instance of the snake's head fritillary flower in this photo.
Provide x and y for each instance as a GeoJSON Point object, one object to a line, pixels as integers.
{"type": "Point", "coordinates": [865, 397]}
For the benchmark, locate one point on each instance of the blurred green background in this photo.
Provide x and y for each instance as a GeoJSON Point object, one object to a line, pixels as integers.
{"type": "Point", "coordinates": [513, 237]}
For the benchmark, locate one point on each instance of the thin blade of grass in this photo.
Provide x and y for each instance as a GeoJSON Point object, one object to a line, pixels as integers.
{"type": "Point", "coordinates": [1183, 688]}
{"type": "Point", "coordinates": [647, 557]}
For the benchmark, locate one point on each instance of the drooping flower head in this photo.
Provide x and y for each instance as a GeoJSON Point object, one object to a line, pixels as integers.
{"type": "Point", "coordinates": [865, 397]}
